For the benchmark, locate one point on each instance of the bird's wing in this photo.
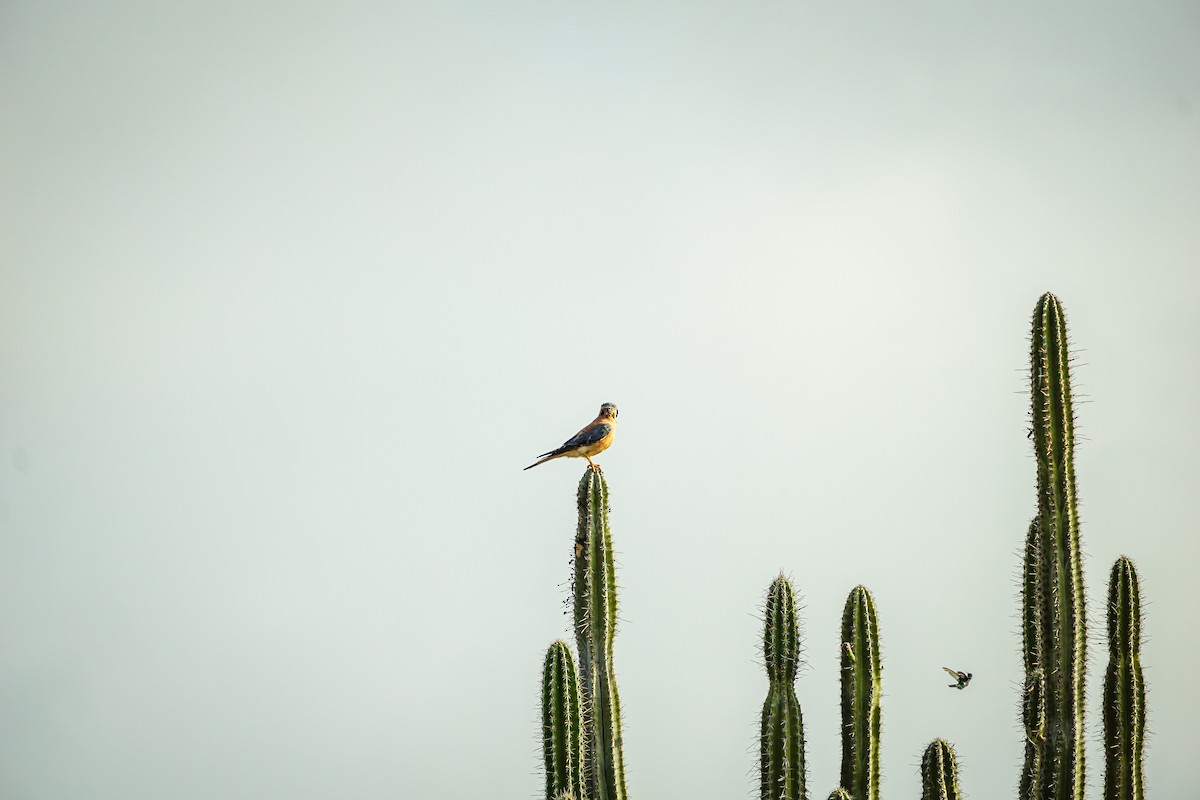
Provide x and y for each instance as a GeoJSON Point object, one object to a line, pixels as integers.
{"type": "Point", "coordinates": [953, 672]}
{"type": "Point", "coordinates": [589, 435]}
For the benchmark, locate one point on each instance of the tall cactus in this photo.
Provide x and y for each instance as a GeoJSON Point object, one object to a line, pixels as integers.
{"type": "Point", "coordinates": [1057, 662]}
{"type": "Point", "coordinates": [562, 724]}
{"type": "Point", "coordinates": [1124, 689]}
{"type": "Point", "coordinates": [595, 604]}
{"type": "Point", "coordinates": [781, 744]}
{"type": "Point", "coordinates": [861, 687]}
{"type": "Point", "coordinates": [939, 772]}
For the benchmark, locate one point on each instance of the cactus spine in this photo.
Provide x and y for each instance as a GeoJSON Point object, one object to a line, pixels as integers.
{"type": "Point", "coordinates": [861, 687]}
{"type": "Point", "coordinates": [781, 744]}
{"type": "Point", "coordinates": [595, 605]}
{"type": "Point", "coordinates": [1056, 663]}
{"type": "Point", "coordinates": [1124, 689]}
{"type": "Point", "coordinates": [562, 720]}
{"type": "Point", "coordinates": [939, 772]}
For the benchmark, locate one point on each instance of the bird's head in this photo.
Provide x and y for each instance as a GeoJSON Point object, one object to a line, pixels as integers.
{"type": "Point", "coordinates": [608, 410]}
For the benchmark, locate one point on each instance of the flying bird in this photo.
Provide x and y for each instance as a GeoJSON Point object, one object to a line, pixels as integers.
{"type": "Point", "coordinates": [594, 439]}
{"type": "Point", "coordinates": [961, 678]}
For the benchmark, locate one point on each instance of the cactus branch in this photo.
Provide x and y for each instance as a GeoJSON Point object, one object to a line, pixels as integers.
{"type": "Point", "coordinates": [562, 733]}
{"type": "Point", "coordinates": [1124, 688]}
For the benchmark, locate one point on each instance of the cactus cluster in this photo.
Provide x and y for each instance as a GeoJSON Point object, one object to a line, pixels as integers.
{"type": "Point", "coordinates": [581, 708]}
{"type": "Point", "coordinates": [1054, 623]}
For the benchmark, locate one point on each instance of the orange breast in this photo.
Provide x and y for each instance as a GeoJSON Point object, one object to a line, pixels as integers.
{"type": "Point", "coordinates": [590, 450]}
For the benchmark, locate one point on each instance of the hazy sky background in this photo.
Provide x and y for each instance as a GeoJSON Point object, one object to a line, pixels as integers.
{"type": "Point", "coordinates": [289, 293]}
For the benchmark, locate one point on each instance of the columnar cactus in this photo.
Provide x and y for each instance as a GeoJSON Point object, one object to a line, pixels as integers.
{"type": "Point", "coordinates": [840, 794]}
{"type": "Point", "coordinates": [595, 604]}
{"type": "Point", "coordinates": [781, 744]}
{"type": "Point", "coordinates": [1057, 661]}
{"type": "Point", "coordinates": [939, 772]}
{"type": "Point", "coordinates": [1033, 701]}
{"type": "Point", "coordinates": [1124, 689]}
{"type": "Point", "coordinates": [861, 687]}
{"type": "Point", "coordinates": [562, 724]}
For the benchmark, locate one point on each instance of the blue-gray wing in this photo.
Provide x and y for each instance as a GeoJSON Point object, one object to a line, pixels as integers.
{"type": "Point", "coordinates": [588, 436]}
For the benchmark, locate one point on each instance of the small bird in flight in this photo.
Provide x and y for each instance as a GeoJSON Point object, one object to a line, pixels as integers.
{"type": "Point", "coordinates": [594, 439]}
{"type": "Point", "coordinates": [961, 678]}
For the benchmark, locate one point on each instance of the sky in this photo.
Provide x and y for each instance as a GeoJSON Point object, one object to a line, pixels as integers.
{"type": "Point", "coordinates": [290, 293]}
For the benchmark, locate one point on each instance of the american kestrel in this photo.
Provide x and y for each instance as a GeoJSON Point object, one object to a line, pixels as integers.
{"type": "Point", "coordinates": [961, 678]}
{"type": "Point", "coordinates": [594, 439]}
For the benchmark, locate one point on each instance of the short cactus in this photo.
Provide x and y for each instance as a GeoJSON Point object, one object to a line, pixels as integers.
{"type": "Point", "coordinates": [840, 794]}
{"type": "Point", "coordinates": [1055, 636]}
{"type": "Point", "coordinates": [781, 744]}
{"type": "Point", "coordinates": [595, 604]}
{"type": "Point", "coordinates": [562, 723]}
{"type": "Point", "coordinates": [939, 772]}
{"type": "Point", "coordinates": [1124, 688]}
{"type": "Point", "coordinates": [861, 687]}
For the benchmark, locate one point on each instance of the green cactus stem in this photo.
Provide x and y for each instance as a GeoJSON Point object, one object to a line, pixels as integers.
{"type": "Point", "coordinates": [939, 772]}
{"type": "Point", "coordinates": [861, 687]}
{"type": "Point", "coordinates": [781, 632]}
{"type": "Point", "coordinates": [1033, 701]}
{"type": "Point", "coordinates": [595, 604]}
{"type": "Point", "coordinates": [781, 743]}
{"type": "Point", "coordinates": [840, 794]}
{"type": "Point", "coordinates": [1124, 688]}
{"type": "Point", "coordinates": [1033, 714]}
{"type": "Point", "coordinates": [1062, 649]}
{"type": "Point", "coordinates": [562, 723]}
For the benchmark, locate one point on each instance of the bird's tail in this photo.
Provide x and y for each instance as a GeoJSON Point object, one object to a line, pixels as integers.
{"type": "Point", "coordinates": [553, 454]}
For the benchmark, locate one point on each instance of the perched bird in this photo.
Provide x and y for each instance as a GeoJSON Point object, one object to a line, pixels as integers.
{"type": "Point", "coordinates": [961, 678]}
{"type": "Point", "coordinates": [594, 439]}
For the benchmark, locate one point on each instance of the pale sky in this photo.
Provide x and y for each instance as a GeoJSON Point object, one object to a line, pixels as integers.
{"type": "Point", "coordinates": [289, 294]}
